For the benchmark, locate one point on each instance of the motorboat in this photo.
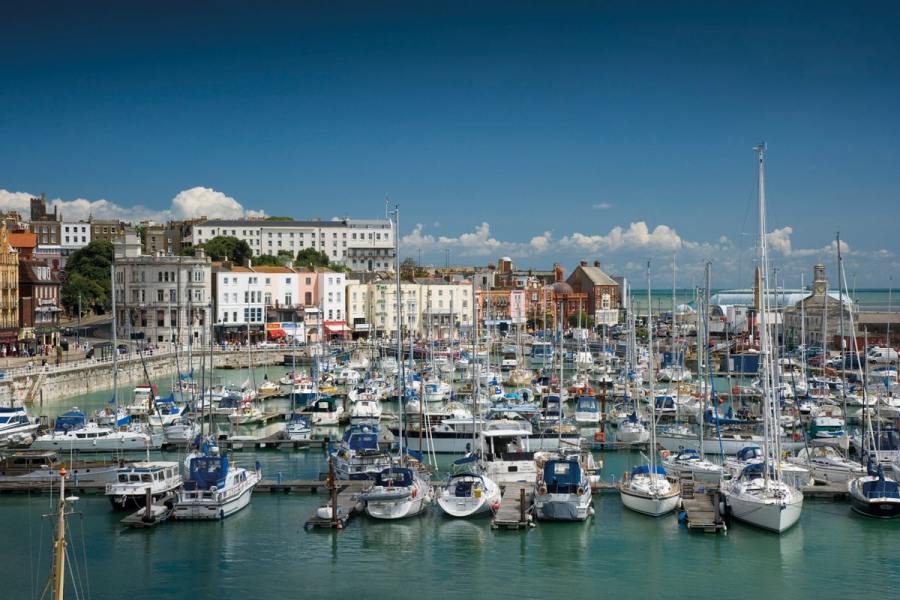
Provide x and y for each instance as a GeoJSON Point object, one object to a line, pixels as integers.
{"type": "Point", "coordinates": [325, 411]}
{"type": "Point", "coordinates": [133, 481]}
{"type": "Point", "coordinates": [506, 456]}
{"type": "Point", "coordinates": [72, 431]}
{"type": "Point", "coordinates": [297, 428]}
{"type": "Point", "coordinates": [214, 489]}
{"type": "Point", "coordinates": [358, 455]}
{"type": "Point", "coordinates": [15, 425]}
{"type": "Point", "coordinates": [366, 410]}
{"type": "Point", "coordinates": [587, 411]}
{"type": "Point", "coordinates": [398, 492]}
{"type": "Point", "coordinates": [562, 491]}
{"type": "Point", "coordinates": [650, 491]}
{"type": "Point", "coordinates": [43, 466]}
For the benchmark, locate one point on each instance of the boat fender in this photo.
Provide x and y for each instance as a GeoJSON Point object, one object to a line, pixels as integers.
{"type": "Point", "coordinates": [600, 437]}
{"type": "Point", "coordinates": [213, 490]}
{"type": "Point", "coordinates": [495, 506]}
{"type": "Point", "coordinates": [415, 492]}
{"type": "Point", "coordinates": [580, 491]}
{"type": "Point", "coordinates": [796, 436]}
{"type": "Point", "coordinates": [542, 490]}
{"type": "Point", "coordinates": [665, 454]}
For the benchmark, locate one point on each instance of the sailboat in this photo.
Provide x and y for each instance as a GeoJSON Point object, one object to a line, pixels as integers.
{"type": "Point", "coordinates": [758, 495]}
{"type": "Point", "coordinates": [649, 490]}
{"type": "Point", "coordinates": [399, 491]}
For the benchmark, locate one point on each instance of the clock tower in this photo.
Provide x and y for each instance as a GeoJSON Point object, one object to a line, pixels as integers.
{"type": "Point", "coordinates": [820, 284]}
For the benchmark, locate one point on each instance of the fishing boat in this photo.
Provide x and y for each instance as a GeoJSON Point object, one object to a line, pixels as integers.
{"type": "Point", "coordinates": [758, 495]}
{"type": "Point", "coordinates": [358, 455]}
{"type": "Point", "coordinates": [132, 482]}
{"type": "Point", "coordinates": [587, 411]}
{"type": "Point", "coordinates": [44, 465]}
{"type": "Point", "coordinates": [398, 492]}
{"type": "Point", "coordinates": [214, 489]}
{"type": "Point", "coordinates": [72, 431]}
{"type": "Point", "coordinates": [562, 490]}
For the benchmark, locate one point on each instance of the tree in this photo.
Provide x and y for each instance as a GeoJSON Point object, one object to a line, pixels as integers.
{"type": "Point", "coordinates": [310, 257]}
{"type": "Point", "coordinates": [230, 248]}
{"type": "Point", "coordinates": [266, 260]}
{"type": "Point", "coordinates": [88, 275]}
{"type": "Point", "coordinates": [274, 218]}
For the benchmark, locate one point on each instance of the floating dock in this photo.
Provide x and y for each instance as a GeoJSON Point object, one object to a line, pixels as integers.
{"type": "Point", "coordinates": [701, 507]}
{"type": "Point", "coordinates": [344, 504]}
{"type": "Point", "coordinates": [153, 514]}
{"type": "Point", "coordinates": [515, 507]}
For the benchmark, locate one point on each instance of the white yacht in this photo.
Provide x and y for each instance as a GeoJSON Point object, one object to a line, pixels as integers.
{"type": "Point", "coordinates": [765, 502]}
{"type": "Point", "coordinates": [130, 488]}
{"type": "Point", "coordinates": [468, 494]}
{"type": "Point", "coordinates": [398, 492]}
{"type": "Point", "coordinates": [214, 489]}
{"type": "Point", "coordinates": [15, 425]}
{"type": "Point", "coordinates": [826, 465]}
{"type": "Point", "coordinates": [507, 457]}
{"type": "Point", "coordinates": [73, 432]}
{"type": "Point", "coordinates": [44, 465]}
{"type": "Point", "coordinates": [297, 428]}
{"type": "Point", "coordinates": [366, 410]}
{"type": "Point", "coordinates": [650, 492]}
{"type": "Point", "coordinates": [690, 461]}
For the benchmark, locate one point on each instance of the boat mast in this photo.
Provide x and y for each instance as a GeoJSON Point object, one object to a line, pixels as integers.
{"type": "Point", "coordinates": [840, 265]}
{"type": "Point", "coordinates": [399, 307]}
{"type": "Point", "coordinates": [115, 341]}
{"type": "Point", "coordinates": [762, 321]}
{"type": "Point", "coordinates": [651, 377]}
{"type": "Point", "coordinates": [58, 573]}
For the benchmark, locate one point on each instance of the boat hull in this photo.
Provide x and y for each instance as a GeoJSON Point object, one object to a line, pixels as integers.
{"type": "Point", "coordinates": [563, 507]}
{"type": "Point", "coordinates": [653, 506]}
{"type": "Point", "coordinates": [771, 515]}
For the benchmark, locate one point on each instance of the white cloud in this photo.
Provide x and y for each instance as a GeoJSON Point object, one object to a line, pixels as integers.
{"type": "Point", "coordinates": [191, 203]}
{"type": "Point", "coordinates": [779, 240]}
{"type": "Point", "coordinates": [637, 236]}
{"type": "Point", "coordinates": [602, 206]}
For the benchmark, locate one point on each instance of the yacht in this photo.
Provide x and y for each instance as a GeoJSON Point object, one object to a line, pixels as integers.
{"type": "Point", "coordinates": [214, 489]}
{"type": "Point", "coordinates": [44, 465]}
{"type": "Point", "coordinates": [366, 410]}
{"type": "Point", "coordinates": [435, 390]}
{"type": "Point", "coordinates": [507, 457]}
{"type": "Point", "coordinates": [875, 495]}
{"type": "Point", "coordinates": [398, 492]}
{"type": "Point", "coordinates": [324, 411]}
{"type": "Point", "coordinates": [689, 461]}
{"type": "Point", "coordinates": [826, 465]}
{"type": "Point", "coordinates": [468, 494]}
{"type": "Point", "coordinates": [132, 481]}
{"type": "Point", "coordinates": [297, 428]}
{"type": "Point", "coordinates": [632, 431]}
{"type": "Point", "coordinates": [587, 411]}
{"type": "Point", "coordinates": [73, 432]}
{"type": "Point", "coordinates": [15, 425]}
{"type": "Point", "coordinates": [142, 400]}
{"type": "Point", "coordinates": [166, 412]}
{"type": "Point", "coordinates": [768, 503]}
{"type": "Point", "coordinates": [358, 455]}
{"type": "Point", "coordinates": [562, 491]}
{"type": "Point", "coordinates": [791, 473]}
{"type": "Point", "coordinates": [245, 414]}
{"type": "Point", "coordinates": [650, 491]}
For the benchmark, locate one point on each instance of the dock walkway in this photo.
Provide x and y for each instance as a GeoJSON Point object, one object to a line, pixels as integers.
{"type": "Point", "coordinates": [515, 507]}
{"type": "Point", "coordinates": [346, 499]}
{"type": "Point", "coordinates": [701, 508]}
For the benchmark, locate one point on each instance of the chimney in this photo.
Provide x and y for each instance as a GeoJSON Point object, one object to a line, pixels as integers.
{"type": "Point", "coordinates": [597, 263]}
{"type": "Point", "coordinates": [558, 272]}
{"type": "Point", "coordinates": [583, 263]}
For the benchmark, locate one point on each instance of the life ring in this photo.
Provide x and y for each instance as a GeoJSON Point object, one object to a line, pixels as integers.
{"type": "Point", "coordinates": [600, 436]}
{"type": "Point", "coordinates": [797, 437]}
{"type": "Point", "coordinates": [665, 453]}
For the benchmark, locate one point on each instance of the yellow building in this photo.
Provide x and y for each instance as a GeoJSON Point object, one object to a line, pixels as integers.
{"type": "Point", "coordinates": [9, 292]}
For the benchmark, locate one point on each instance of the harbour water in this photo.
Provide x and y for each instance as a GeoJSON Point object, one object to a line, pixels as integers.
{"type": "Point", "coordinates": [264, 552]}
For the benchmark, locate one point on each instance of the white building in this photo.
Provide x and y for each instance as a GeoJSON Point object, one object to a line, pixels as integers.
{"type": "Point", "coordinates": [332, 287]}
{"type": "Point", "coordinates": [243, 296]}
{"type": "Point", "coordinates": [163, 298]}
{"type": "Point", "coordinates": [362, 245]}
{"type": "Point", "coordinates": [74, 235]}
{"type": "Point", "coordinates": [371, 307]}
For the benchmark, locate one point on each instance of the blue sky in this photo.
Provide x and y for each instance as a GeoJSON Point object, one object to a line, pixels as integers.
{"type": "Point", "coordinates": [546, 131]}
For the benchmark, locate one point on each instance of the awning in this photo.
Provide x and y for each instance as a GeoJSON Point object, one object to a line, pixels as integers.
{"type": "Point", "coordinates": [276, 334]}
{"type": "Point", "coordinates": [336, 327]}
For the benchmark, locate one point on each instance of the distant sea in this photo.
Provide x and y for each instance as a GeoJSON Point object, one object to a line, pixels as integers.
{"type": "Point", "coordinates": [866, 298]}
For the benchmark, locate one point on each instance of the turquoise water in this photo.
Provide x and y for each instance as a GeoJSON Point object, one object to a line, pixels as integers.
{"type": "Point", "coordinates": [264, 552]}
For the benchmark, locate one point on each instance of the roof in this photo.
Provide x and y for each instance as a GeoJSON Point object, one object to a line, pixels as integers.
{"type": "Point", "coordinates": [272, 269]}
{"type": "Point", "coordinates": [365, 223]}
{"type": "Point", "coordinates": [596, 275]}
{"type": "Point", "coordinates": [23, 239]}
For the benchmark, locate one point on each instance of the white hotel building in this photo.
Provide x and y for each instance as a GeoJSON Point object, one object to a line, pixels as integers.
{"type": "Point", "coordinates": [242, 296]}
{"type": "Point", "coordinates": [362, 245]}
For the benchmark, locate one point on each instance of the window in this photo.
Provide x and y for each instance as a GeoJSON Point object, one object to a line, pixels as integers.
{"type": "Point", "coordinates": [225, 316]}
{"type": "Point", "coordinates": [307, 298]}
{"type": "Point", "coordinates": [288, 299]}
{"type": "Point", "coordinates": [160, 295]}
{"type": "Point", "coordinates": [308, 281]}
{"type": "Point", "coordinates": [173, 318]}
{"type": "Point", "coordinates": [268, 299]}
{"type": "Point", "coordinates": [287, 281]}
{"type": "Point", "coordinates": [172, 296]}
{"type": "Point", "coordinates": [234, 316]}
{"type": "Point", "coordinates": [269, 281]}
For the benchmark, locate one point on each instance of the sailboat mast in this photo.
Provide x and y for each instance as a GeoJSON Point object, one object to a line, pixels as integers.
{"type": "Point", "coordinates": [840, 265]}
{"type": "Point", "coordinates": [651, 377]}
{"type": "Point", "coordinates": [59, 545]}
{"type": "Point", "coordinates": [399, 307]}
{"type": "Point", "coordinates": [115, 341]}
{"type": "Point", "coordinates": [762, 326]}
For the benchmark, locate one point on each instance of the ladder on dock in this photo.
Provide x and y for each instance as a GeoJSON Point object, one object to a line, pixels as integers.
{"type": "Point", "coordinates": [701, 508]}
{"type": "Point", "coordinates": [515, 507]}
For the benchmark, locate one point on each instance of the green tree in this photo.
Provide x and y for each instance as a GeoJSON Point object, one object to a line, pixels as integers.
{"type": "Point", "coordinates": [266, 260]}
{"type": "Point", "coordinates": [88, 275]}
{"type": "Point", "coordinates": [274, 218]}
{"type": "Point", "coordinates": [230, 248]}
{"type": "Point", "coordinates": [310, 257]}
